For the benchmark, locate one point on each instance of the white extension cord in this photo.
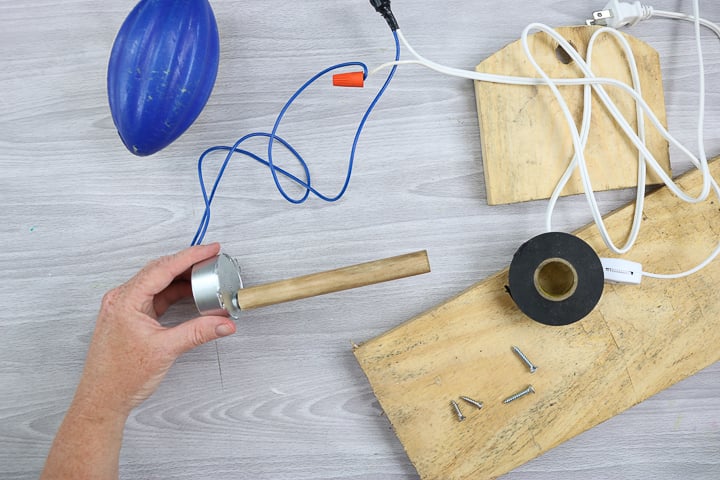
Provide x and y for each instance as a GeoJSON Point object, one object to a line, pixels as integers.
{"type": "Point", "coordinates": [614, 15]}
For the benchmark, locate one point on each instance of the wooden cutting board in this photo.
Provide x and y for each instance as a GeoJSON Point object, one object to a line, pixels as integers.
{"type": "Point", "coordinates": [638, 341]}
{"type": "Point", "coordinates": [526, 144]}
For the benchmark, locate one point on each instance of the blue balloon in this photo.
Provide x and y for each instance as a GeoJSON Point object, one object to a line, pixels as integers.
{"type": "Point", "coordinates": [161, 72]}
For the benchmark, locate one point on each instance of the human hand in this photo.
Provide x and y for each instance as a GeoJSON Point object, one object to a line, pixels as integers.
{"type": "Point", "coordinates": [130, 351]}
{"type": "Point", "coordinates": [129, 354]}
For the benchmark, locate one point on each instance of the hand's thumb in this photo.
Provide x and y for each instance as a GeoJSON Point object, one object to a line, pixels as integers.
{"type": "Point", "coordinates": [198, 331]}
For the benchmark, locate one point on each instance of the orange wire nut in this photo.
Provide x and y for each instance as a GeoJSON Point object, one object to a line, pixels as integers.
{"type": "Point", "coordinates": [349, 79]}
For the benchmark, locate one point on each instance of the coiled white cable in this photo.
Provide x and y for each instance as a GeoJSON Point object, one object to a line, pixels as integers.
{"type": "Point", "coordinates": [579, 160]}
{"type": "Point", "coordinates": [579, 138]}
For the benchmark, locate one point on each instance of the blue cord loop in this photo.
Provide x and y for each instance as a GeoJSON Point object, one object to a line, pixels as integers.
{"type": "Point", "coordinates": [273, 138]}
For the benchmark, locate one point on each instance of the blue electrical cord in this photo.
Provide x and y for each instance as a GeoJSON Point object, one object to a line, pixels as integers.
{"type": "Point", "coordinates": [273, 137]}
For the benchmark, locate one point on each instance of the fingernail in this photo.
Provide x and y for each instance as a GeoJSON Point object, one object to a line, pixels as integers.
{"type": "Point", "coordinates": [223, 330]}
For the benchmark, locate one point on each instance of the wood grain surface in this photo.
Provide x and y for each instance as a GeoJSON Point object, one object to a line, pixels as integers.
{"type": "Point", "coordinates": [81, 215]}
{"type": "Point", "coordinates": [507, 113]}
{"type": "Point", "coordinates": [637, 341]}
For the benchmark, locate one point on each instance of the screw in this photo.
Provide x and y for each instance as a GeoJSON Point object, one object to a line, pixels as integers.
{"type": "Point", "coordinates": [469, 400]}
{"type": "Point", "coordinates": [528, 390]}
{"type": "Point", "coordinates": [456, 407]}
{"type": "Point", "coordinates": [525, 359]}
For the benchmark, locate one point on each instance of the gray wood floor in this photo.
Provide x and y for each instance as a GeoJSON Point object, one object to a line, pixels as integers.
{"type": "Point", "coordinates": [80, 215]}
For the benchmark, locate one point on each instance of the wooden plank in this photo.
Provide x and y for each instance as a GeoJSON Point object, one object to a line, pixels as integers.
{"type": "Point", "coordinates": [638, 341]}
{"type": "Point", "coordinates": [523, 131]}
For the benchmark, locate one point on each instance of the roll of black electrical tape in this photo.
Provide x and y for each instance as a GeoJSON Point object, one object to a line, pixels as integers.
{"type": "Point", "coordinates": [556, 278]}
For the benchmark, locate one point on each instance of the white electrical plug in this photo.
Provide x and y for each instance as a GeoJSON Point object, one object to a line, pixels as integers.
{"type": "Point", "coordinates": [619, 14]}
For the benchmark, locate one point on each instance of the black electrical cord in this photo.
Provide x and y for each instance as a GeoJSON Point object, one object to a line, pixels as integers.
{"type": "Point", "coordinates": [383, 8]}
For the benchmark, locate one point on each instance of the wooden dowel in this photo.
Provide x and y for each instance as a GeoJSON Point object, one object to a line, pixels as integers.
{"type": "Point", "coordinates": [334, 280]}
